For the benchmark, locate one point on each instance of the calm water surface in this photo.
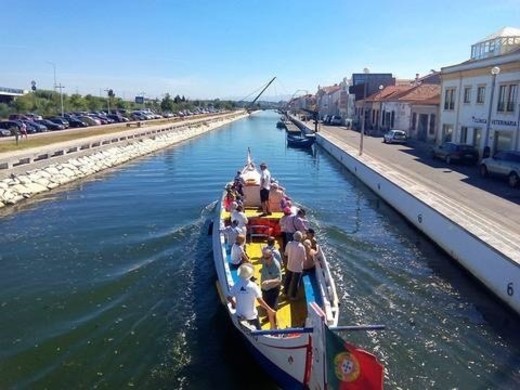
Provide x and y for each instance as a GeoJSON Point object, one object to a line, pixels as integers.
{"type": "Point", "coordinates": [110, 283]}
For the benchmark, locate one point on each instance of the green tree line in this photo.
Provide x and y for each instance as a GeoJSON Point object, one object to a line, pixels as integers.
{"type": "Point", "coordinates": [47, 103]}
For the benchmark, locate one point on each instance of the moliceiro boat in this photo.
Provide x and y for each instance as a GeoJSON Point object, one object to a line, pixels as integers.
{"type": "Point", "coordinates": [299, 346]}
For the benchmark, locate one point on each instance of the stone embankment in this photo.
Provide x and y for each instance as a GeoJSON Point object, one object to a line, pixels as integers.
{"type": "Point", "coordinates": [33, 182]}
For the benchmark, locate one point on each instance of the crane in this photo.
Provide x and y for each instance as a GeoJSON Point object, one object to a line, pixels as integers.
{"type": "Point", "coordinates": [250, 105]}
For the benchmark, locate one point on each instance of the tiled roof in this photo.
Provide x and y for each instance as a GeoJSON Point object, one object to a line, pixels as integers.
{"type": "Point", "coordinates": [390, 92]}
{"type": "Point", "coordinates": [421, 93]}
{"type": "Point", "coordinates": [412, 94]}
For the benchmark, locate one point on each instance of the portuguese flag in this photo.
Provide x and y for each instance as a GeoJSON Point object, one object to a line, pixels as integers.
{"type": "Point", "coordinates": [349, 367]}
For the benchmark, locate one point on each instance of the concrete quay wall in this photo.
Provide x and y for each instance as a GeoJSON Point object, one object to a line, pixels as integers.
{"type": "Point", "coordinates": [18, 187]}
{"type": "Point", "coordinates": [483, 248]}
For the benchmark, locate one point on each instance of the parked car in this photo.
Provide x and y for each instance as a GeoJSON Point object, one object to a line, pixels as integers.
{"type": "Point", "coordinates": [34, 127]}
{"type": "Point", "coordinates": [504, 164]}
{"type": "Point", "coordinates": [336, 120]}
{"type": "Point", "coordinates": [59, 120]}
{"type": "Point", "coordinates": [75, 122]}
{"type": "Point", "coordinates": [6, 126]}
{"type": "Point", "coordinates": [50, 124]}
{"type": "Point", "coordinates": [454, 152]}
{"type": "Point", "coordinates": [394, 137]}
{"type": "Point", "coordinates": [90, 120]}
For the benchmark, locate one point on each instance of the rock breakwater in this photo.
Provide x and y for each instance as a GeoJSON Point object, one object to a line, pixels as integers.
{"type": "Point", "coordinates": [22, 186]}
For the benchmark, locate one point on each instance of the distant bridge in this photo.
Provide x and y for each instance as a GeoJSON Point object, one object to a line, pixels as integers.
{"type": "Point", "coordinates": [8, 94]}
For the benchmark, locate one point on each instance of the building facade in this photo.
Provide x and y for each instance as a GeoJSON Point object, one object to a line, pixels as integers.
{"type": "Point", "coordinates": [480, 97]}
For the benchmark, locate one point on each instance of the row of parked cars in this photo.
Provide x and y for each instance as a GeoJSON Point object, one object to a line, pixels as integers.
{"type": "Point", "coordinates": [505, 164]}
{"type": "Point", "coordinates": [334, 120]}
{"type": "Point", "coordinates": [36, 124]}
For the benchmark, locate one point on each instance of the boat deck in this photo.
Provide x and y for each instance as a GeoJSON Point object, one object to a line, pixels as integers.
{"type": "Point", "coordinates": [290, 314]}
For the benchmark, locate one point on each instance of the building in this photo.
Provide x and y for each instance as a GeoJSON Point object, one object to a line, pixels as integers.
{"type": "Point", "coordinates": [412, 107]}
{"type": "Point", "coordinates": [480, 97]}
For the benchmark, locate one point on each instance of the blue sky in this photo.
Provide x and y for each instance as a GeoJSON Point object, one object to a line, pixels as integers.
{"type": "Point", "coordinates": [231, 48]}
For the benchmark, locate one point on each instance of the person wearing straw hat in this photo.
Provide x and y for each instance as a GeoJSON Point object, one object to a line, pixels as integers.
{"type": "Point", "coordinates": [244, 295]}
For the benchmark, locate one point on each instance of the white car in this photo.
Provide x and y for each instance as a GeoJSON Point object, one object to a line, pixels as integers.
{"type": "Point", "coordinates": [336, 120]}
{"type": "Point", "coordinates": [394, 137]}
{"type": "Point", "coordinates": [505, 164]}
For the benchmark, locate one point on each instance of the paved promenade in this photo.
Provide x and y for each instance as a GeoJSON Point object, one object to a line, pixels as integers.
{"type": "Point", "coordinates": [486, 207]}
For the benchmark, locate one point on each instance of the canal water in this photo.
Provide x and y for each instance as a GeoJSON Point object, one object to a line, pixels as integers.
{"type": "Point", "coordinates": [110, 283]}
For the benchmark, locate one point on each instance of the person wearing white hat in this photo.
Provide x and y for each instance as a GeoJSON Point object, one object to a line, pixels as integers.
{"type": "Point", "coordinates": [243, 297]}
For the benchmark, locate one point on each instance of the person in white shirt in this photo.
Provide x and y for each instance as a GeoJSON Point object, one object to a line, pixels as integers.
{"type": "Point", "coordinates": [238, 251]}
{"type": "Point", "coordinates": [243, 296]}
{"type": "Point", "coordinates": [296, 255]}
{"type": "Point", "coordinates": [230, 233]}
{"type": "Point", "coordinates": [265, 188]}
{"type": "Point", "coordinates": [239, 216]}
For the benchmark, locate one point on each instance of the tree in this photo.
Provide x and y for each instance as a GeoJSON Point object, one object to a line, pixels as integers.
{"type": "Point", "coordinates": [167, 103]}
{"type": "Point", "coordinates": [77, 102]}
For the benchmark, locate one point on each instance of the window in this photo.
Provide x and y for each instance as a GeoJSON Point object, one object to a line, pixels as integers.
{"type": "Point", "coordinates": [507, 98]}
{"type": "Point", "coordinates": [447, 132]}
{"type": "Point", "coordinates": [481, 91]}
{"type": "Point", "coordinates": [501, 98]}
{"type": "Point", "coordinates": [477, 135]}
{"type": "Point", "coordinates": [449, 99]}
{"type": "Point", "coordinates": [511, 98]}
{"type": "Point", "coordinates": [467, 95]}
{"type": "Point", "coordinates": [431, 130]}
{"type": "Point", "coordinates": [463, 135]}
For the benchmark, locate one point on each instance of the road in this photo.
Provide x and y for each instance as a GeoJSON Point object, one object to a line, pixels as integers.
{"type": "Point", "coordinates": [490, 197]}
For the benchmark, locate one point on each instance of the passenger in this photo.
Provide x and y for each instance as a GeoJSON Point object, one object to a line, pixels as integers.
{"type": "Point", "coordinates": [238, 251]}
{"type": "Point", "coordinates": [239, 216]}
{"type": "Point", "coordinates": [239, 183]}
{"type": "Point", "coordinates": [286, 227]}
{"type": "Point", "coordinates": [295, 254]}
{"type": "Point", "coordinates": [300, 223]}
{"type": "Point", "coordinates": [229, 199]}
{"type": "Point", "coordinates": [265, 188]}
{"type": "Point", "coordinates": [231, 232]}
{"type": "Point", "coordinates": [270, 278]}
{"type": "Point", "coordinates": [310, 257]}
{"type": "Point", "coordinates": [243, 295]}
{"type": "Point", "coordinates": [271, 244]}
{"type": "Point", "coordinates": [311, 236]}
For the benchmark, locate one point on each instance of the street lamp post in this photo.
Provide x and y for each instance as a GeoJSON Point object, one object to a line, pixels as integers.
{"type": "Point", "coordinates": [380, 114]}
{"type": "Point", "coordinates": [108, 100]}
{"type": "Point", "coordinates": [362, 133]}
{"type": "Point", "coordinates": [494, 72]}
{"type": "Point", "coordinates": [54, 71]}
{"type": "Point", "coordinates": [60, 87]}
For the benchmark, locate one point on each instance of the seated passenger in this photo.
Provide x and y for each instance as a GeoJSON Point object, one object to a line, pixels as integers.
{"type": "Point", "coordinates": [309, 263]}
{"type": "Point", "coordinates": [238, 251]}
{"type": "Point", "coordinates": [245, 294]}
{"type": "Point", "coordinates": [239, 216]}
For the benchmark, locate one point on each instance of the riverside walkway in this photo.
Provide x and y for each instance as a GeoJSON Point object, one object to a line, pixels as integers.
{"type": "Point", "coordinates": [486, 209]}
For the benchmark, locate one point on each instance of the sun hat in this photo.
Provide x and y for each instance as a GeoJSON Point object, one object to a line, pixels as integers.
{"type": "Point", "coordinates": [245, 271]}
